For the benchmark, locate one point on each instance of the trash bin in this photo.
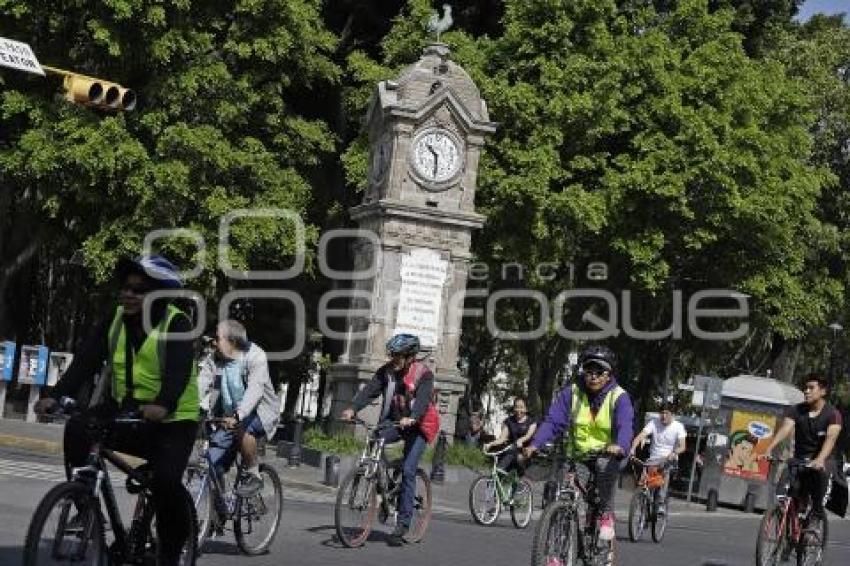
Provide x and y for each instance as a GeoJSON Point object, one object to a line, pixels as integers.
{"type": "Point", "coordinates": [750, 413]}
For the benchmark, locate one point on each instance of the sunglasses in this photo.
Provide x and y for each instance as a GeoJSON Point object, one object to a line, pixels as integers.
{"type": "Point", "coordinates": [135, 289]}
{"type": "Point", "coordinates": [595, 372]}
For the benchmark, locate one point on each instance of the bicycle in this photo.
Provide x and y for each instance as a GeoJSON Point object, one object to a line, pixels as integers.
{"type": "Point", "coordinates": [216, 505]}
{"type": "Point", "coordinates": [568, 529]}
{"type": "Point", "coordinates": [785, 527]}
{"type": "Point", "coordinates": [489, 493]}
{"type": "Point", "coordinates": [373, 476]}
{"type": "Point", "coordinates": [645, 506]}
{"type": "Point", "coordinates": [82, 538]}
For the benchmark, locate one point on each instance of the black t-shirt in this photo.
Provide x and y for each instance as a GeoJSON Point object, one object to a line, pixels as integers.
{"type": "Point", "coordinates": [810, 432]}
{"type": "Point", "coordinates": [517, 429]}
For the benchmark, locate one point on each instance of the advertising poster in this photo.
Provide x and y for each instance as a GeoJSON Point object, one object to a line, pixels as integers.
{"type": "Point", "coordinates": [749, 436]}
{"type": "Point", "coordinates": [33, 367]}
{"type": "Point", "coordinates": [7, 360]}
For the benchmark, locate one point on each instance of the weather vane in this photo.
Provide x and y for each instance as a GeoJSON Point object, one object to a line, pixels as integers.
{"type": "Point", "coordinates": [438, 25]}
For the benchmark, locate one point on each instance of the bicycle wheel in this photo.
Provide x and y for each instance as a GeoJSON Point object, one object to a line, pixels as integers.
{"type": "Point", "coordinates": [522, 505]}
{"type": "Point", "coordinates": [189, 554]}
{"type": "Point", "coordinates": [199, 485]}
{"type": "Point", "coordinates": [638, 515]}
{"type": "Point", "coordinates": [66, 528]}
{"type": "Point", "coordinates": [421, 507]}
{"type": "Point", "coordinates": [355, 509]}
{"type": "Point", "coordinates": [555, 537]}
{"type": "Point", "coordinates": [812, 545]}
{"type": "Point", "coordinates": [771, 539]}
{"type": "Point", "coordinates": [484, 501]}
{"type": "Point", "coordinates": [258, 517]}
{"type": "Point", "coordinates": [659, 521]}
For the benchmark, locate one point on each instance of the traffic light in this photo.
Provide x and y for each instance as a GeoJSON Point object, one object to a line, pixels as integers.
{"type": "Point", "coordinates": [97, 93]}
{"type": "Point", "coordinates": [81, 89]}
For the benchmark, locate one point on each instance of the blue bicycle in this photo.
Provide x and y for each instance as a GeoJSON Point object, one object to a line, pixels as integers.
{"type": "Point", "coordinates": [255, 518]}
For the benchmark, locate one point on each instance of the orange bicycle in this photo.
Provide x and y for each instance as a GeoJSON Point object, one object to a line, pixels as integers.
{"type": "Point", "coordinates": [646, 506]}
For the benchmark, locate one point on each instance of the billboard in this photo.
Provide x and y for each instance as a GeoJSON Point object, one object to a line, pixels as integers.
{"type": "Point", "coordinates": [749, 435]}
{"type": "Point", "coordinates": [33, 367]}
{"type": "Point", "coordinates": [7, 360]}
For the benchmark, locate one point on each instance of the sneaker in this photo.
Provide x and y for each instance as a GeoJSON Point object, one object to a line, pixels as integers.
{"type": "Point", "coordinates": [554, 561]}
{"type": "Point", "coordinates": [397, 536]}
{"type": "Point", "coordinates": [250, 486]}
{"type": "Point", "coordinates": [606, 527]}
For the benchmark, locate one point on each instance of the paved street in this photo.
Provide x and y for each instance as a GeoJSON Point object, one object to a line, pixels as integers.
{"type": "Point", "coordinates": [307, 537]}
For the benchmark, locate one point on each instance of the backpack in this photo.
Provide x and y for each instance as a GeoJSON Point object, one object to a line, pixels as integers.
{"type": "Point", "coordinates": [430, 423]}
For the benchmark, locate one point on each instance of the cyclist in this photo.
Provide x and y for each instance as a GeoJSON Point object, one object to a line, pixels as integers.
{"type": "Point", "coordinates": [518, 429]}
{"type": "Point", "coordinates": [244, 395]}
{"type": "Point", "coordinates": [148, 370]}
{"type": "Point", "coordinates": [668, 442]}
{"type": "Point", "coordinates": [816, 425]}
{"type": "Point", "coordinates": [599, 414]}
{"type": "Point", "coordinates": [406, 386]}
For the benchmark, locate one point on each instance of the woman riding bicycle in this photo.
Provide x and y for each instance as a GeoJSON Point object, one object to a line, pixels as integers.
{"type": "Point", "coordinates": [406, 386]}
{"type": "Point", "coordinates": [517, 431]}
{"type": "Point", "coordinates": [150, 370]}
{"type": "Point", "coordinates": [599, 414]}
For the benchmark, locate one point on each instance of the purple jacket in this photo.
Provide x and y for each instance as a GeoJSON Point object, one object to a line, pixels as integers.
{"type": "Point", "coordinates": [558, 419]}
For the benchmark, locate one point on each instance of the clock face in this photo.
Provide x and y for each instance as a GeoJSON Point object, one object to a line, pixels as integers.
{"type": "Point", "coordinates": [436, 156]}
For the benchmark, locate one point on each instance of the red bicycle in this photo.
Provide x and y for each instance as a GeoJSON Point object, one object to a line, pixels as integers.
{"type": "Point", "coordinates": [788, 526]}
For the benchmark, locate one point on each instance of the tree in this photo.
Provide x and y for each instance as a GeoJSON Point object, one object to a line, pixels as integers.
{"type": "Point", "coordinates": [224, 122]}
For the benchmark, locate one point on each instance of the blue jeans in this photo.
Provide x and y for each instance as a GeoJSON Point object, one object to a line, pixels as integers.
{"type": "Point", "coordinates": [414, 447]}
{"type": "Point", "coordinates": [223, 443]}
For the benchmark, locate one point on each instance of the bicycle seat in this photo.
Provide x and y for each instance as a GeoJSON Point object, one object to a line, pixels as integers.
{"type": "Point", "coordinates": [140, 479]}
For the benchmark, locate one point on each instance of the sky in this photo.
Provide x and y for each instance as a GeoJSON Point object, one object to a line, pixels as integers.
{"type": "Point", "coordinates": [826, 6]}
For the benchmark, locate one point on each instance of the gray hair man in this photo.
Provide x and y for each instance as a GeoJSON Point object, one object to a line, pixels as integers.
{"type": "Point", "coordinates": [234, 383]}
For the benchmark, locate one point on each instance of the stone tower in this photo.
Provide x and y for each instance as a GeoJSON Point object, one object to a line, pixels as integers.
{"type": "Point", "coordinates": [426, 132]}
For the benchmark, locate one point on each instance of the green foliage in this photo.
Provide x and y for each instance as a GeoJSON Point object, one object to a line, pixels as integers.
{"type": "Point", "coordinates": [337, 444]}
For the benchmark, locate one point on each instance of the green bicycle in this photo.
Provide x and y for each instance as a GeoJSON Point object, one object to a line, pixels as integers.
{"type": "Point", "coordinates": [490, 493]}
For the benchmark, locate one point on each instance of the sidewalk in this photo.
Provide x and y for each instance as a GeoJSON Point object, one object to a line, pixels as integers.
{"type": "Point", "coordinates": [451, 497]}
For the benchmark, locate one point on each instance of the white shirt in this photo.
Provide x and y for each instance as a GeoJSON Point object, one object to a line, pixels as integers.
{"type": "Point", "coordinates": [664, 438]}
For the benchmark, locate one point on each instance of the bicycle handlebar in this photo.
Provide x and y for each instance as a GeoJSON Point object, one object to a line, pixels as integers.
{"type": "Point", "coordinates": [499, 452]}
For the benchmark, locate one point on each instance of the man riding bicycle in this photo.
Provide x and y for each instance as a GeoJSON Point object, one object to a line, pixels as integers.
{"type": "Point", "coordinates": [668, 442]}
{"type": "Point", "coordinates": [406, 386]}
{"type": "Point", "coordinates": [146, 369]}
{"type": "Point", "coordinates": [816, 425]}
{"type": "Point", "coordinates": [599, 414]}
{"type": "Point", "coordinates": [238, 372]}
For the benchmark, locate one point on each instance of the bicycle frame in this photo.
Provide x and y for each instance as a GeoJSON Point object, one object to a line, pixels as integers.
{"type": "Point", "coordinates": [96, 475]}
{"type": "Point", "coordinates": [500, 477]}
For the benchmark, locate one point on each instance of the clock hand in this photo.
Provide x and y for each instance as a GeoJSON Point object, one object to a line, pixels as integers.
{"type": "Point", "coordinates": [436, 158]}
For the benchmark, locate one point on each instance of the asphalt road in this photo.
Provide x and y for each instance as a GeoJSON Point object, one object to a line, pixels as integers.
{"type": "Point", "coordinates": [694, 538]}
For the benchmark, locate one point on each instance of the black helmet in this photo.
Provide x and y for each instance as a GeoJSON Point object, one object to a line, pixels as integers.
{"type": "Point", "coordinates": [600, 355]}
{"type": "Point", "coordinates": [404, 344]}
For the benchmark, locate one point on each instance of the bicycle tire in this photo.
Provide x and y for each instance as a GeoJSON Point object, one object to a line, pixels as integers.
{"type": "Point", "coordinates": [189, 555]}
{"type": "Point", "coordinates": [239, 526]}
{"type": "Point", "coordinates": [558, 520]}
{"type": "Point", "coordinates": [638, 515]}
{"type": "Point", "coordinates": [659, 526]}
{"type": "Point", "coordinates": [81, 497]}
{"type": "Point", "coordinates": [488, 484]}
{"type": "Point", "coordinates": [421, 507]}
{"type": "Point", "coordinates": [803, 550]}
{"type": "Point", "coordinates": [769, 554]}
{"type": "Point", "coordinates": [203, 500]}
{"type": "Point", "coordinates": [521, 516]}
{"type": "Point", "coordinates": [357, 479]}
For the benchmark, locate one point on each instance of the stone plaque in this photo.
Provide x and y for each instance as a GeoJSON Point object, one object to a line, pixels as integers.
{"type": "Point", "coordinates": [423, 277]}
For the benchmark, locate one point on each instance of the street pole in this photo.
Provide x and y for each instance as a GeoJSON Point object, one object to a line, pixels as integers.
{"type": "Point", "coordinates": [836, 329]}
{"type": "Point", "coordinates": [696, 453]}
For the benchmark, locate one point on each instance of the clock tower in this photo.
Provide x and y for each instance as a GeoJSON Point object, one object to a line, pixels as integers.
{"type": "Point", "coordinates": [426, 132]}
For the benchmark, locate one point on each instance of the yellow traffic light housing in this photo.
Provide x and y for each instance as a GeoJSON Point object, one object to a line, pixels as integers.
{"type": "Point", "coordinates": [97, 93]}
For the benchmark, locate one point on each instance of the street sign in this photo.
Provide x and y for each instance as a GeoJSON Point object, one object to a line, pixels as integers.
{"type": "Point", "coordinates": [707, 391]}
{"type": "Point", "coordinates": [20, 56]}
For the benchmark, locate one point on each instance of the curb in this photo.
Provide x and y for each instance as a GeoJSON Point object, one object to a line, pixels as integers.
{"type": "Point", "coordinates": [31, 444]}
